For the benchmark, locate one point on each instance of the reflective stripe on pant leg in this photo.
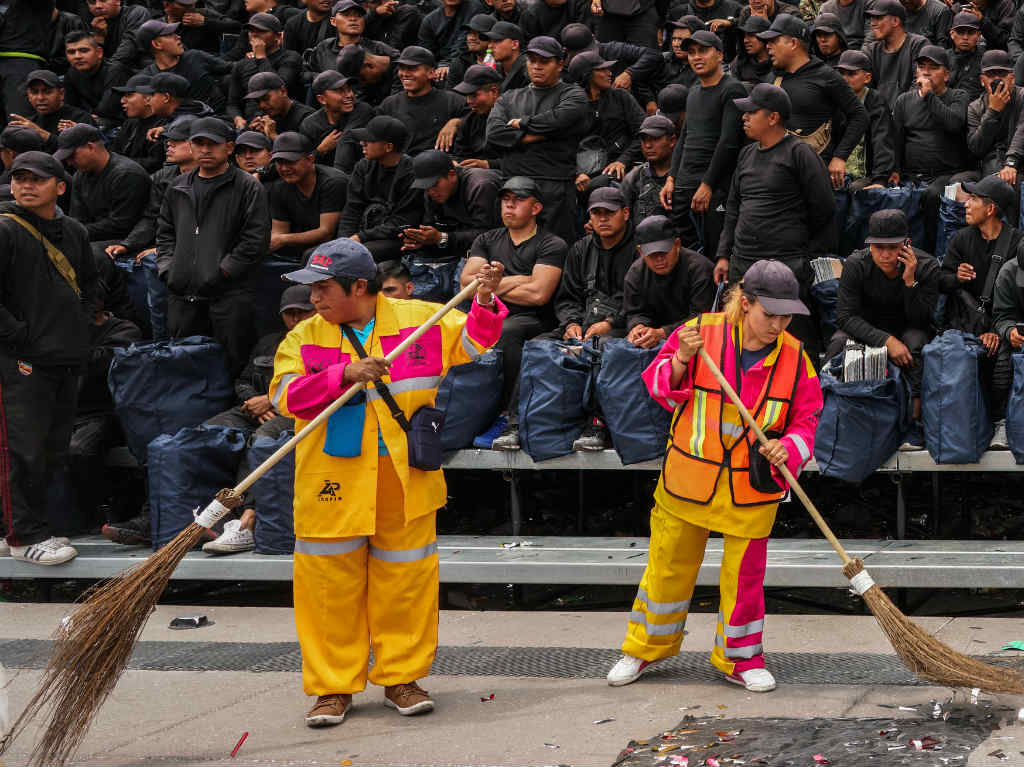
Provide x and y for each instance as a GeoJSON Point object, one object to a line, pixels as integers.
{"type": "Point", "coordinates": [662, 602]}
{"type": "Point", "coordinates": [739, 635]}
{"type": "Point", "coordinates": [402, 607]}
{"type": "Point", "coordinates": [330, 614]}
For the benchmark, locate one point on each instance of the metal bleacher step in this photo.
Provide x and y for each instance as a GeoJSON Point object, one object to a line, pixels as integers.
{"type": "Point", "coordinates": [797, 563]}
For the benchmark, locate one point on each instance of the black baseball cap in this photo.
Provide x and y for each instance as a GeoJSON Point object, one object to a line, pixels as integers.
{"type": "Point", "coordinates": [754, 25]}
{"type": "Point", "coordinates": [41, 164]}
{"type": "Point", "coordinates": [337, 258]}
{"type": "Point", "coordinates": [211, 128]}
{"type": "Point", "coordinates": [655, 234]}
{"type": "Point", "coordinates": [995, 189]}
{"type": "Point", "coordinates": [330, 80]}
{"type": "Point", "coordinates": [993, 61]}
{"type": "Point", "coordinates": [828, 22]}
{"type": "Point", "coordinates": [168, 82]}
{"type": "Point", "coordinates": [153, 29]}
{"type": "Point", "coordinates": [577, 37]}
{"type": "Point", "coordinates": [583, 64]}
{"type": "Point", "coordinates": [853, 61]}
{"type": "Point", "coordinates": [346, 5]}
{"type": "Point", "coordinates": [887, 227]}
{"type": "Point", "coordinates": [77, 135]}
{"type": "Point", "coordinates": [476, 77]}
{"type": "Point", "coordinates": [350, 60]}
{"type": "Point", "coordinates": [766, 96]}
{"type": "Point", "coordinates": [606, 198]}
{"type": "Point", "coordinates": [504, 30]}
{"type": "Point", "coordinates": [383, 128]}
{"type": "Point", "coordinates": [44, 76]}
{"type": "Point", "coordinates": [262, 83]}
{"type": "Point", "coordinates": [135, 84]}
{"type": "Point", "coordinates": [416, 56]}
{"type": "Point", "coordinates": [429, 167]}
{"type": "Point", "coordinates": [887, 8]}
{"type": "Point", "coordinates": [785, 24]}
{"type": "Point", "coordinates": [703, 38]}
{"type": "Point", "coordinates": [521, 186]}
{"type": "Point", "coordinates": [291, 146]}
{"type": "Point", "coordinates": [672, 100]}
{"type": "Point", "coordinates": [480, 23]}
{"type": "Point", "coordinates": [545, 46]}
{"type": "Point", "coordinates": [690, 22]}
{"type": "Point", "coordinates": [20, 139]}
{"type": "Point", "coordinates": [964, 19]}
{"type": "Point", "coordinates": [934, 54]}
{"type": "Point", "coordinates": [264, 22]}
{"type": "Point", "coordinates": [775, 286]}
{"type": "Point", "coordinates": [296, 297]}
{"type": "Point", "coordinates": [180, 129]}
{"type": "Point", "coordinates": [657, 125]}
{"type": "Point", "coordinates": [253, 139]}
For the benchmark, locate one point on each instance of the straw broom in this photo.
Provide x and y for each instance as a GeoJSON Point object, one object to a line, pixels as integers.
{"type": "Point", "coordinates": [93, 646]}
{"type": "Point", "coordinates": [922, 653]}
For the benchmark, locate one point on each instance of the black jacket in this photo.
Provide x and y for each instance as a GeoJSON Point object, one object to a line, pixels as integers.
{"type": "Point", "coordinates": [966, 72]}
{"type": "Point", "coordinates": [444, 36]}
{"type": "Point", "coordinates": [92, 92]}
{"type": "Point", "coordinates": [906, 67]}
{"type": "Point", "coordinates": [616, 118]}
{"type": "Point", "coordinates": [349, 151]}
{"type": "Point", "coordinates": [254, 380]}
{"type": "Point", "coordinates": [27, 27]}
{"type": "Point", "coordinates": [111, 201]}
{"type": "Point", "coordinates": [325, 55]}
{"type": "Point", "coordinates": [210, 251]}
{"type": "Point", "coordinates": [592, 282]}
{"type": "Point", "coordinates": [667, 301]}
{"type": "Point", "coordinates": [539, 18]}
{"type": "Point", "coordinates": [398, 30]}
{"type": "Point", "coordinates": [119, 45]}
{"type": "Point", "coordinates": [968, 247]}
{"type": "Point", "coordinates": [992, 136]}
{"type": "Point", "coordinates": [402, 205]}
{"type": "Point", "coordinates": [470, 211]}
{"type": "Point", "coordinates": [471, 141]}
{"type": "Point", "coordinates": [879, 141]}
{"type": "Point", "coordinates": [93, 391]}
{"type": "Point", "coordinates": [143, 234]}
{"type": "Point", "coordinates": [42, 321]}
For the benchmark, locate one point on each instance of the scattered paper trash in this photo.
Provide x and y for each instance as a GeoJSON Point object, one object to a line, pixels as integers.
{"type": "Point", "coordinates": [1016, 644]}
{"type": "Point", "coordinates": [189, 622]}
{"type": "Point", "coordinates": [974, 696]}
{"type": "Point", "coordinates": [820, 759]}
{"type": "Point", "coordinates": [551, 745]}
{"type": "Point", "coordinates": [488, 699]}
{"type": "Point", "coordinates": [604, 721]}
{"type": "Point", "coordinates": [999, 754]}
{"type": "Point", "coordinates": [238, 745]}
{"type": "Point", "coordinates": [346, 763]}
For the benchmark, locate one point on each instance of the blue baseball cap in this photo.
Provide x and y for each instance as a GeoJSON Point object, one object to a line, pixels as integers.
{"type": "Point", "coordinates": [338, 258]}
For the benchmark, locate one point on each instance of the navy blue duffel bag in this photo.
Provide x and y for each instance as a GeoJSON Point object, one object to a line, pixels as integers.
{"type": "Point", "coordinates": [186, 469]}
{"type": "Point", "coordinates": [864, 202]}
{"type": "Point", "coordinates": [470, 398]}
{"type": "Point", "coordinates": [271, 496]}
{"type": "Point", "coordinates": [163, 387]}
{"type": "Point", "coordinates": [638, 424]}
{"type": "Point", "coordinates": [554, 388]}
{"type": "Point", "coordinates": [1015, 410]}
{"type": "Point", "coordinates": [862, 422]}
{"type": "Point", "coordinates": [957, 428]}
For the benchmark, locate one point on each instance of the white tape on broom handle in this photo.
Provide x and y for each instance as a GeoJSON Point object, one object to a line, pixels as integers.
{"type": "Point", "coordinates": [212, 514]}
{"type": "Point", "coordinates": [861, 582]}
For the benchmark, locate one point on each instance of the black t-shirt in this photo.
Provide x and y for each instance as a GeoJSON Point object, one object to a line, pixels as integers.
{"type": "Point", "coordinates": [303, 213]}
{"type": "Point", "coordinates": [201, 188]}
{"type": "Point", "coordinates": [519, 260]}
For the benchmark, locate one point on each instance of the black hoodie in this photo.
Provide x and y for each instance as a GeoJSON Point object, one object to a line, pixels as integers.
{"type": "Point", "coordinates": [593, 281]}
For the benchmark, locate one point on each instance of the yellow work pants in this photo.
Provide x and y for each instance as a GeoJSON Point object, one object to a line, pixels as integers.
{"type": "Point", "coordinates": [380, 590]}
{"type": "Point", "coordinates": [663, 600]}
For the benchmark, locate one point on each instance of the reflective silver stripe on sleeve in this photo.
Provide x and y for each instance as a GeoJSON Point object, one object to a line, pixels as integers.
{"type": "Point", "coordinates": [468, 347]}
{"type": "Point", "coordinates": [801, 446]}
{"type": "Point", "coordinates": [661, 608]}
{"type": "Point", "coordinates": [406, 385]}
{"type": "Point", "coordinates": [654, 629]}
{"type": "Point", "coordinates": [282, 386]}
{"type": "Point", "coordinates": [404, 555]}
{"type": "Point", "coordinates": [738, 652]}
{"type": "Point", "coordinates": [657, 373]}
{"type": "Point", "coordinates": [328, 548]}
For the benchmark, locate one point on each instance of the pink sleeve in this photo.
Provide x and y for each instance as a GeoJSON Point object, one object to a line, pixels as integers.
{"type": "Point", "coordinates": [658, 377]}
{"type": "Point", "coordinates": [310, 394]}
{"type": "Point", "coordinates": [484, 326]}
{"type": "Point", "coordinates": [799, 437]}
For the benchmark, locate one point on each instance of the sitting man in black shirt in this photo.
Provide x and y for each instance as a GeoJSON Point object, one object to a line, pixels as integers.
{"type": "Point", "coordinates": [642, 186]}
{"type": "Point", "coordinates": [381, 202]}
{"type": "Point", "coordinates": [995, 130]}
{"type": "Point", "coordinates": [376, 74]}
{"type": "Point", "coordinates": [330, 127]}
{"type": "Point", "coordinates": [51, 116]}
{"type": "Point", "coordinates": [666, 286]}
{"type": "Point", "coordinates": [252, 154]}
{"type": "Point", "coordinates": [965, 73]}
{"type": "Point", "coordinates": [533, 259]}
{"type": "Point", "coordinates": [280, 113]}
{"type": "Point", "coordinates": [874, 159]}
{"type": "Point", "coordinates": [887, 295]}
{"type": "Point", "coordinates": [973, 259]}
{"type": "Point", "coordinates": [90, 79]}
{"type": "Point", "coordinates": [481, 85]}
{"type": "Point", "coordinates": [266, 37]}
{"type": "Point", "coordinates": [305, 202]}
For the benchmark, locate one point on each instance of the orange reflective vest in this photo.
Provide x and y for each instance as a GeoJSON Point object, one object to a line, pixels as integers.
{"type": "Point", "coordinates": [703, 443]}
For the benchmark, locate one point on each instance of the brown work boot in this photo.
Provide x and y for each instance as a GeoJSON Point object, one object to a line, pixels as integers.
{"type": "Point", "coordinates": [409, 699]}
{"type": "Point", "coordinates": [329, 710]}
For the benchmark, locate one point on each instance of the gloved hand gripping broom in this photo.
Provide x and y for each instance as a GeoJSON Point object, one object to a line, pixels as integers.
{"type": "Point", "coordinates": [92, 648]}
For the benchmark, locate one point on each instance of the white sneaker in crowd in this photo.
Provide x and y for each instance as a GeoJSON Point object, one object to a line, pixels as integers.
{"type": "Point", "coordinates": [5, 549]}
{"type": "Point", "coordinates": [52, 551]}
{"type": "Point", "coordinates": [754, 679]}
{"type": "Point", "coordinates": [235, 538]}
{"type": "Point", "coordinates": [627, 670]}
{"type": "Point", "coordinates": [999, 441]}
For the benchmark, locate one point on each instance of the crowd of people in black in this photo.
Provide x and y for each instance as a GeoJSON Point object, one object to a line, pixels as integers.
{"type": "Point", "coordinates": [621, 158]}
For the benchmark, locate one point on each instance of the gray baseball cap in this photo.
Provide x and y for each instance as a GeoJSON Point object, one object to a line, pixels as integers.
{"type": "Point", "coordinates": [775, 286]}
{"type": "Point", "coordinates": [655, 234]}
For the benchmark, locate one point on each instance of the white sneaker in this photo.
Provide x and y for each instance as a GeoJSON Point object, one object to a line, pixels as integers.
{"type": "Point", "coordinates": [52, 551]}
{"type": "Point", "coordinates": [232, 540]}
{"type": "Point", "coordinates": [999, 441]}
{"type": "Point", "coordinates": [754, 679]}
{"type": "Point", "coordinates": [627, 670]}
{"type": "Point", "coordinates": [5, 548]}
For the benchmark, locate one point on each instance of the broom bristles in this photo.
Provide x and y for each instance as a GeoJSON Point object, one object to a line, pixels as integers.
{"type": "Point", "coordinates": [92, 649]}
{"type": "Point", "coordinates": [925, 655]}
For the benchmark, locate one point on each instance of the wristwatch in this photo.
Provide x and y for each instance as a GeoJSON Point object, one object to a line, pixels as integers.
{"type": "Point", "coordinates": [1011, 162]}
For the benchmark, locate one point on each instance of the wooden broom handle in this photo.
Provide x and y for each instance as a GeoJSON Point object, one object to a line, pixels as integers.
{"type": "Point", "coordinates": [783, 469]}
{"type": "Point", "coordinates": [351, 391]}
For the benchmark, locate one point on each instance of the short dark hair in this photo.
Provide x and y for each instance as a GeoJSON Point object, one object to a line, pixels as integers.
{"type": "Point", "coordinates": [78, 35]}
{"type": "Point", "coordinates": [372, 286]}
{"type": "Point", "coordinates": [393, 270]}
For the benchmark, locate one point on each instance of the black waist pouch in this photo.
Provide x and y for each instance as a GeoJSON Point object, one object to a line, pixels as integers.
{"type": "Point", "coordinates": [424, 435]}
{"type": "Point", "coordinates": [760, 470]}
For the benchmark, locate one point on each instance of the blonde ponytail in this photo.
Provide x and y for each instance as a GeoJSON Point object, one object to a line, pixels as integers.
{"type": "Point", "coordinates": [733, 308]}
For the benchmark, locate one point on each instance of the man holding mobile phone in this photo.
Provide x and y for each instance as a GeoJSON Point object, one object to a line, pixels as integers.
{"type": "Point", "coordinates": [994, 119]}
